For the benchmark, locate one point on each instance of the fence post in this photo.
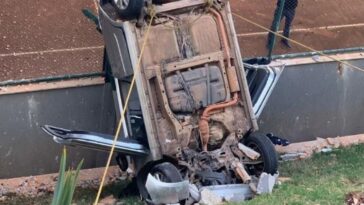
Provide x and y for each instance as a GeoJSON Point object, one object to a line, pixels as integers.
{"type": "Point", "coordinates": [275, 26]}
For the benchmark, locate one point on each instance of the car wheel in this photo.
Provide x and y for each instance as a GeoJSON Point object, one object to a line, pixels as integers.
{"type": "Point", "coordinates": [268, 160]}
{"type": "Point", "coordinates": [165, 172]}
{"type": "Point", "coordinates": [128, 9]}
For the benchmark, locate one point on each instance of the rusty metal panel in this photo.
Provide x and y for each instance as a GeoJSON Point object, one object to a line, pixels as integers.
{"type": "Point", "coordinates": [194, 89]}
{"type": "Point", "coordinates": [205, 36]}
{"type": "Point", "coordinates": [161, 45]}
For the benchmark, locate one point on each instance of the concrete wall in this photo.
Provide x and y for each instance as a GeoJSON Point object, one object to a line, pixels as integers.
{"type": "Point", "coordinates": [315, 100]}
{"type": "Point", "coordinates": [26, 150]}
{"type": "Point", "coordinates": [310, 101]}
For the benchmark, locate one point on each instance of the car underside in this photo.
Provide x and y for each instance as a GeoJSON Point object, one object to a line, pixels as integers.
{"type": "Point", "coordinates": [191, 120]}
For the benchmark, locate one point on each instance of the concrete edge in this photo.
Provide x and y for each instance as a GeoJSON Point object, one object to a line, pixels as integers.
{"type": "Point", "coordinates": [319, 59]}
{"type": "Point", "coordinates": [303, 150]}
{"type": "Point", "coordinates": [82, 82]}
{"type": "Point", "coordinates": [33, 186]}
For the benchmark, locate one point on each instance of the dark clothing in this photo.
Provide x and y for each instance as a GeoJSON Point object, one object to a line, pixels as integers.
{"type": "Point", "coordinates": [288, 5]}
{"type": "Point", "coordinates": [289, 15]}
{"type": "Point", "coordinates": [289, 12]}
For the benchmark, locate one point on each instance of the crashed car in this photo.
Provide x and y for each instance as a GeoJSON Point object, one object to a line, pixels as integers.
{"type": "Point", "coordinates": [191, 123]}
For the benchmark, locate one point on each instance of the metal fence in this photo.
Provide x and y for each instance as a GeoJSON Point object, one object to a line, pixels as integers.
{"type": "Point", "coordinates": [300, 26]}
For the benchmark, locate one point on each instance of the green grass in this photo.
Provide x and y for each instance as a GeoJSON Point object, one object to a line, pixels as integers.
{"type": "Point", "coordinates": [324, 179]}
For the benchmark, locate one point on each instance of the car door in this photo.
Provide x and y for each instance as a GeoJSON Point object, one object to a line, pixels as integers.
{"type": "Point", "coordinates": [261, 81]}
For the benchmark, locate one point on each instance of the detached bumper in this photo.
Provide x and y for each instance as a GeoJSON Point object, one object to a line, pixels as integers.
{"type": "Point", "coordinates": [166, 193]}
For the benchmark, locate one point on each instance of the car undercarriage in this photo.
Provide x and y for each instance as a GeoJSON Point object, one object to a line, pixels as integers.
{"type": "Point", "coordinates": [191, 122]}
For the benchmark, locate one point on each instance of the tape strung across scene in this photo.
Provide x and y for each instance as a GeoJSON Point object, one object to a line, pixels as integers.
{"type": "Point", "coordinates": [122, 119]}
{"type": "Point", "coordinates": [137, 68]}
{"type": "Point", "coordinates": [296, 42]}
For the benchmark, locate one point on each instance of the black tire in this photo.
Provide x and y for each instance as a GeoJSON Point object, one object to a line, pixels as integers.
{"type": "Point", "coordinates": [130, 10]}
{"type": "Point", "coordinates": [268, 154]}
{"type": "Point", "coordinates": [122, 162]}
{"type": "Point", "coordinates": [168, 172]}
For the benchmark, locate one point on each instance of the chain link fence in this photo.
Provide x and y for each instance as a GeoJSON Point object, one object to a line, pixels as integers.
{"type": "Point", "coordinates": [322, 25]}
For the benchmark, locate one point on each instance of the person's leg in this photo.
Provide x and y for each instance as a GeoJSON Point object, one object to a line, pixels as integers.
{"type": "Point", "coordinates": [289, 19]}
{"type": "Point", "coordinates": [287, 26]}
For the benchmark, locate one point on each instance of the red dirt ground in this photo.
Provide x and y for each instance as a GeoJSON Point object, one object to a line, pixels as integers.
{"type": "Point", "coordinates": [309, 14]}
{"type": "Point", "coordinates": [38, 25]}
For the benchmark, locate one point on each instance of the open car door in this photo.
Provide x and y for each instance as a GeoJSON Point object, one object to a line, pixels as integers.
{"type": "Point", "coordinates": [261, 81]}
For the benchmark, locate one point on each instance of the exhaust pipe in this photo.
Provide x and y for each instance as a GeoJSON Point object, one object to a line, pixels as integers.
{"type": "Point", "coordinates": [95, 141]}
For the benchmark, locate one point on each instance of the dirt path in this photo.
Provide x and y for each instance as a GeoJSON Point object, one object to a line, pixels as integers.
{"type": "Point", "coordinates": [42, 38]}
{"type": "Point", "coordinates": [36, 26]}
{"type": "Point", "coordinates": [312, 15]}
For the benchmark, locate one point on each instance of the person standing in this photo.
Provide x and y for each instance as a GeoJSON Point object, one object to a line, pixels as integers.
{"type": "Point", "coordinates": [289, 11]}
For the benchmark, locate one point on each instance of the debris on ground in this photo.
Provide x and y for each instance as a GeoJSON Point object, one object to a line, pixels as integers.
{"type": "Point", "coordinates": [217, 194]}
{"type": "Point", "coordinates": [283, 179]}
{"type": "Point", "coordinates": [293, 156]}
{"type": "Point", "coordinates": [355, 198]}
{"type": "Point", "coordinates": [210, 198]}
{"type": "Point", "coordinates": [109, 200]}
{"type": "Point", "coordinates": [278, 140]}
{"type": "Point", "coordinates": [3, 198]}
{"type": "Point", "coordinates": [326, 150]}
{"type": "Point", "coordinates": [34, 186]}
{"type": "Point", "coordinates": [266, 183]}
{"type": "Point", "coordinates": [304, 150]}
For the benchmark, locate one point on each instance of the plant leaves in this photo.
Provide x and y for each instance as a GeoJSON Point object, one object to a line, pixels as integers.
{"type": "Point", "coordinates": [66, 184]}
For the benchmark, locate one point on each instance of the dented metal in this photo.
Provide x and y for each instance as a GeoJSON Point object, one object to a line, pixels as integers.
{"type": "Point", "coordinates": [95, 141]}
{"type": "Point", "coordinates": [192, 94]}
{"type": "Point", "coordinates": [166, 193]}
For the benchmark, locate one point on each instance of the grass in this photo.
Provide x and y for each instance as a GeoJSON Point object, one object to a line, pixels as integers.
{"type": "Point", "coordinates": [324, 179]}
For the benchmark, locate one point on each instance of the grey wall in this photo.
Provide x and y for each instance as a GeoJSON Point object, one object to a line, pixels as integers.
{"type": "Point", "coordinates": [309, 101]}
{"type": "Point", "coordinates": [26, 150]}
{"type": "Point", "coordinates": [314, 100]}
